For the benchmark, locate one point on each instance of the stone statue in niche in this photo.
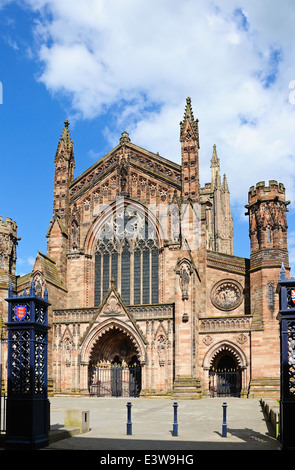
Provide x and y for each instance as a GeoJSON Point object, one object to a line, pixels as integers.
{"type": "Point", "coordinates": [161, 347]}
{"type": "Point", "coordinates": [67, 348]}
{"type": "Point", "coordinates": [184, 282]}
{"type": "Point", "coordinates": [123, 176]}
{"type": "Point", "coordinates": [75, 232]}
{"type": "Point", "coordinates": [39, 284]}
{"type": "Point", "coordinates": [75, 235]}
{"type": "Point", "coordinates": [38, 288]}
{"type": "Point", "coordinates": [123, 179]}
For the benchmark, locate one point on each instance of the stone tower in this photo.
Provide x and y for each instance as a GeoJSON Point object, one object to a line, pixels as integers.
{"type": "Point", "coordinates": [268, 236]}
{"type": "Point", "coordinates": [8, 243]}
{"type": "Point", "coordinates": [58, 232]}
{"type": "Point", "coordinates": [64, 174]}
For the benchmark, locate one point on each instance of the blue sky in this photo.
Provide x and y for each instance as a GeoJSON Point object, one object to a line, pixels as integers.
{"type": "Point", "coordinates": [115, 65]}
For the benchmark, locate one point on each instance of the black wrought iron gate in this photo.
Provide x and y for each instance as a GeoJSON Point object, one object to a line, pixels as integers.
{"type": "Point", "coordinates": [224, 383]}
{"type": "Point", "coordinates": [115, 381]}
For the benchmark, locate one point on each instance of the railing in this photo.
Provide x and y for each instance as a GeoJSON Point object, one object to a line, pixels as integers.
{"type": "Point", "coordinates": [115, 381]}
{"type": "Point", "coordinates": [224, 383]}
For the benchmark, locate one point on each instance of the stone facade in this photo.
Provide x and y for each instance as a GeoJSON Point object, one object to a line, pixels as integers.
{"type": "Point", "coordinates": [140, 269]}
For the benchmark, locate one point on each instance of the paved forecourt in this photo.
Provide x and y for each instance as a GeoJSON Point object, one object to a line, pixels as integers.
{"type": "Point", "coordinates": [200, 424]}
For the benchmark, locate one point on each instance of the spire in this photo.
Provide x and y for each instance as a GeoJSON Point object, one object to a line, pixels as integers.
{"type": "Point", "coordinates": [215, 169]}
{"type": "Point", "coordinates": [189, 138]}
{"type": "Point", "coordinates": [64, 174]}
{"type": "Point", "coordinates": [189, 127]}
{"type": "Point", "coordinates": [282, 274]}
{"type": "Point", "coordinates": [214, 159]}
{"type": "Point", "coordinates": [225, 184]}
{"type": "Point", "coordinates": [65, 147]}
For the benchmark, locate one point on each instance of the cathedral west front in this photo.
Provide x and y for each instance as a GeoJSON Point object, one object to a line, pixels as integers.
{"type": "Point", "coordinates": [147, 297]}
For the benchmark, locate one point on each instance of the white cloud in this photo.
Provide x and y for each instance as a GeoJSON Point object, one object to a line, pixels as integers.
{"type": "Point", "coordinates": [30, 260]}
{"type": "Point", "coordinates": [24, 265]}
{"type": "Point", "coordinates": [234, 58]}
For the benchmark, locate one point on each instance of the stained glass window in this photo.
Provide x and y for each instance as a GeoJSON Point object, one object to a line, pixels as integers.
{"type": "Point", "coordinates": [155, 276]}
{"type": "Point", "coordinates": [146, 276]}
{"type": "Point", "coordinates": [137, 276]}
{"type": "Point", "coordinates": [115, 267]}
{"type": "Point", "coordinates": [125, 274]}
{"type": "Point", "coordinates": [106, 273]}
{"type": "Point", "coordinates": [97, 285]}
{"type": "Point", "coordinates": [129, 255]}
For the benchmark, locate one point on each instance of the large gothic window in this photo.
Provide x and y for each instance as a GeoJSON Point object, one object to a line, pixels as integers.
{"type": "Point", "coordinates": [127, 252]}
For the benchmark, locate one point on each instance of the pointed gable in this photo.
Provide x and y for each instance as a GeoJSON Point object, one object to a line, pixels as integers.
{"type": "Point", "coordinates": [112, 310]}
{"type": "Point", "coordinates": [48, 268]}
{"type": "Point", "coordinates": [124, 171]}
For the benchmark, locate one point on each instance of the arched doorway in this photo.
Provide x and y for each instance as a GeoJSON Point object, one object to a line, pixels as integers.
{"type": "Point", "coordinates": [114, 368]}
{"type": "Point", "coordinates": [225, 376]}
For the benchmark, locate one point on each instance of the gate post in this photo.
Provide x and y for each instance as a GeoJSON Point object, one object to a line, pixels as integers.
{"type": "Point", "coordinates": [286, 317]}
{"type": "Point", "coordinates": [27, 416]}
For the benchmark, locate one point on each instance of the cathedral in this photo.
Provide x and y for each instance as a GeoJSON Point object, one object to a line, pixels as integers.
{"type": "Point", "coordinates": [146, 295]}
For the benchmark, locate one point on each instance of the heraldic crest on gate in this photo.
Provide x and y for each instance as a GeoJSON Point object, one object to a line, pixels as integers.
{"type": "Point", "coordinates": [113, 349]}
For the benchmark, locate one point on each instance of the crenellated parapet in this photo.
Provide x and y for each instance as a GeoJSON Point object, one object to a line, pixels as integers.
{"type": "Point", "coordinates": [8, 225]}
{"type": "Point", "coordinates": [263, 192]}
{"type": "Point", "coordinates": [267, 209]}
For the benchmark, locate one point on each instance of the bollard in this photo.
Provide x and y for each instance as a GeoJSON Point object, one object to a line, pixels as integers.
{"type": "Point", "coordinates": [129, 423]}
{"type": "Point", "coordinates": [224, 425]}
{"type": "Point", "coordinates": [175, 424]}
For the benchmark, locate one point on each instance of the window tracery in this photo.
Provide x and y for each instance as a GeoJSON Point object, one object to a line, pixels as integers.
{"type": "Point", "coordinates": [127, 253]}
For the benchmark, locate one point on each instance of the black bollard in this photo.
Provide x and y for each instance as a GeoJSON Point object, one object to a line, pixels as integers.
{"type": "Point", "coordinates": [175, 424]}
{"type": "Point", "coordinates": [224, 425]}
{"type": "Point", "coordinates": [129, 423]}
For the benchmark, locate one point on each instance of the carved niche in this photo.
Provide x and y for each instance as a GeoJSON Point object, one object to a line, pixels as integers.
{"type": "Point", "coordinates": [184, 270]}
{"type": "Point", "coordinates": [75, 228]}
{"type": "Point", "coordinates": [39, 283]}
{"type": "Point", "coordinates": [227, 294]}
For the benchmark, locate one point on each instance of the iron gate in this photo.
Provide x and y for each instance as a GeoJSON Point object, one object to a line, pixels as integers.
{"type": "Point", "coordinates": [115, 381]}
{"type": "Point", "coordinates": [224, 383]}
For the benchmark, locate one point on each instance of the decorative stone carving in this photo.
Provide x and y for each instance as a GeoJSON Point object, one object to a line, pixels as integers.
{"type": "Point", "coordinates": [184, 282]}
{"type": "Point", "coordinates": [227, 295]}
{"type": "Point", "coordinates": [185, 317]}
{"type": "Point", "coordinates": [75, 228]}
{"type": "Point", "coordinates": [113, 307]}
{"type": "Point", "coordinates": [207, 340]}
{"type": "Point", "coordinates": [39, 284]}
{"type": "Point", "coordinates": [67, 348]}
{"type": "Point", "coordinates": [161, 347]}
{"type": "Point", "coordinates": [242, 338]}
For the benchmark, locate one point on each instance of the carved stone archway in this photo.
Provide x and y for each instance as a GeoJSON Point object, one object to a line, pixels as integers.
{"type": "Point", "coordinates": [228, 346]}
{"type": "Point", "coordinates": [114, 367]}
{"type": "Point", "coordinates": [225, 357]}
{"type": "Point", "coordinates": [111, 342]}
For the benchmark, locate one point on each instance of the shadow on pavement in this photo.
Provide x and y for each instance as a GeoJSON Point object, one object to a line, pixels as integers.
{"type": "Point", "coordinates": [248, 440]}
